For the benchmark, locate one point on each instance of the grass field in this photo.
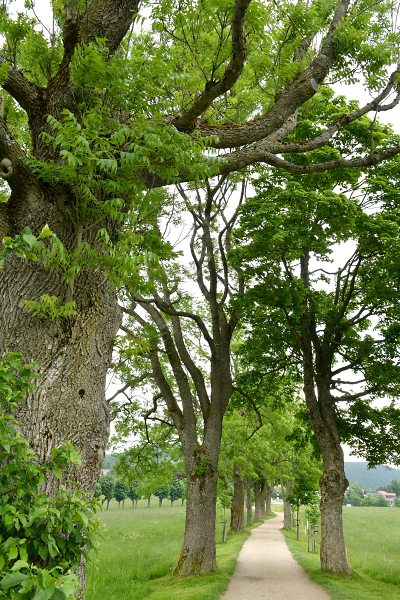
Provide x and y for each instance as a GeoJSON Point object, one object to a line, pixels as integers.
{"type": "Point", "coordinates": [139, 551]}
{"type": "Point", "coordinates": [373, 541]}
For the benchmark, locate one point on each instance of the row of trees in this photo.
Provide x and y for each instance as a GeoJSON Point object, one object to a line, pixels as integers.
{"type": "Point", "coordinates": [109, 488]}
{"type": "Point", "coordinates": [99, 116]}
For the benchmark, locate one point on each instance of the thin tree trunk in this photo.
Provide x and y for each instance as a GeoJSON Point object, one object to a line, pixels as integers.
{"type": "Point", "coordinates": [268, 498]}
{"type": "Point", "coordinates": [249, 503]}
{"type": "Point", "coordinates": [237, 510]}
{"type": "Point", "coordinates": [257, 500]}
{"type": "Point", "coordinates": [148, 501]}
{"type": "Point", "coordinates": [287, 507]}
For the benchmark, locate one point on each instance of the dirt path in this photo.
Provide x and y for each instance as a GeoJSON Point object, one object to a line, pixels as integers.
{"type": "Point", "coordinates": [266, 569]}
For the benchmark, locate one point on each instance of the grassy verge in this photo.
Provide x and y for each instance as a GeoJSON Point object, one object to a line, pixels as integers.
{"type": "Point", "coordinates": [139, 551]}
{"type": "Point", "coordinates": [373, 544]}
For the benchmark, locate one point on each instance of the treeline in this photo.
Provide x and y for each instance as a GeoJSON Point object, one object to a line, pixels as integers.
{"type": "Point", "coordinates": [109, 488]}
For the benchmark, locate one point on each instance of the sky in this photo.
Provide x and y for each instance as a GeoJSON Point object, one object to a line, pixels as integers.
{"type": "Point", "coordinates": [356, 92]}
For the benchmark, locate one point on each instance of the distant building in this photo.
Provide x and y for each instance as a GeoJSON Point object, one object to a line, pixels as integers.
{"type": "Point", "coordinates": [389, 496]}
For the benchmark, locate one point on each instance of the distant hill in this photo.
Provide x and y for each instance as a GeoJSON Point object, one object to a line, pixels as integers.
{"type": "Point", "coordinates": [357, 472]}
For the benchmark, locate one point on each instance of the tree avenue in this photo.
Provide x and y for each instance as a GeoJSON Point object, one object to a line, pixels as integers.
{"type": "Point", "coordinates": [97, 111]}
{"type": "Point", "coordinates": [332, 310]}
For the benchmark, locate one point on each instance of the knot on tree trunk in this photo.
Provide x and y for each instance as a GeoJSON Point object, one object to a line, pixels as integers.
{"type": "Point", "coordinates": [333, 483]}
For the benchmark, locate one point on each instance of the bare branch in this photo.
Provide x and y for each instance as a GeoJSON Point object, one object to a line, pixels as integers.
{"type": "Point", "coordinates": [248, 156]}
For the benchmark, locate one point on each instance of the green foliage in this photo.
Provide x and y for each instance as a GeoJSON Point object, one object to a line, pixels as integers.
{"type": "Point", "coordinates": [393, 486]}
{"type": "Point", "coordinates": [120, 491]}
{"type": "Point", "coordinates": [312, 514]}
{"type": "Point", "coordinates": [107, 484]}
{"type": "Point", "coordinates": [42, 538]}
{"type": "Point", "coordinates": [49, 307]}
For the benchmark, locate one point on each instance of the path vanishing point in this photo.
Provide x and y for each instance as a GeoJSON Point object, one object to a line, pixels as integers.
{"type": "Point", "coordinates": [266, 569]}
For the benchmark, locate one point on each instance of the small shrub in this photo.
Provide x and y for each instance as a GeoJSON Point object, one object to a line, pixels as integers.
{"type": "Point", "coordinates": [42, 538]}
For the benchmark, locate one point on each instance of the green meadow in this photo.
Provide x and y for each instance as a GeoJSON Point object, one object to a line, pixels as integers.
{"type": "Point", "coordinates": [373, 542]}
{"type": "Point", "coordinates": [140, 547]}
{"type": "Point", "coordinates": [139, 550]}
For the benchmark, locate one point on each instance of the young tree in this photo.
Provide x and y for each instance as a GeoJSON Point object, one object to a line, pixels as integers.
{"type": "Point", "coordinates": [107, 486]}
{"type": "Point", "coordinates": [161, 493]}
{"type": "Point", "coordinates": [120, 492]}
{"type": "Point", "coordinates": [133, 494]}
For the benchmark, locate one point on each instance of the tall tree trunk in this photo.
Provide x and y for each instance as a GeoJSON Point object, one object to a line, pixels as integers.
{"type": "Point", "coordinates": [249, 503]}
{"type": "Point", "coordinates": [333, 482]}
{"type": "Point", "coordinates": [72, 354]}
{"type": "Point", "coordinates": [287, 507]}
{"type": "Point", "coordinates": [237, 511]}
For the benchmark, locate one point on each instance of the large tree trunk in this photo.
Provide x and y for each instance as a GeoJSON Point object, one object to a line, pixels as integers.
{"type": "Point", "coordinates": [72, 354]}
{"type": "Point", "coordinates": [237, 511]}
{"type": "Point", "coordinates": [249, 503]}
{"type": "Point", "coordinates": [198, 554]}
{"type": "Point", "coordinates": [333, 484]}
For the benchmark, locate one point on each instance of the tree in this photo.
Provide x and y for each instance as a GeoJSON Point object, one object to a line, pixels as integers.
{"type": "Point", "coordinates": [184, 353]}
{"type": "Point", "coordinates": [130, 111]}
{"type": "Point", "coordinates": [318, 317]}
{"type": "Point", "coordinates": [161, 493]}
{"type": "Point", "coordinates": [120, 492]}
{"type": "Point", "coordinates": [133, 495]}
{"type": "Point", "coordinates": [394, 486]}
{"type": "Point", "coordinates": [107, 488]}
{"type": "Point", "coordinates": [176, 490]}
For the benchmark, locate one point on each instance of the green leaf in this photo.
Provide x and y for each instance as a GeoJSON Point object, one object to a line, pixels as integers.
{"type": "Point", "coordinates": [20, 564]}
{"type": "Point", "coordinates": [46, 232]}
{"type": "Point", "coordinates": [12, 580]}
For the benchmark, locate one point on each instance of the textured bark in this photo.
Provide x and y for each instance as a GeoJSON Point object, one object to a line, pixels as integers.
{"type": "Point", "coordinates": [333, 552]}
{"type": "Point", "coordinates": [237, 510]}
{"type": "Point", "coordinates": [287, 507]}
{"type": "Point", "coordinates": [198, 554]}
{"type": "Point", "coordinates": [249, 503]}
{"type": "Point", "coordinates": [72, 355]}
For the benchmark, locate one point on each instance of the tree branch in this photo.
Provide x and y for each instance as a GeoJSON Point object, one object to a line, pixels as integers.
{"type": "Point", "coordinates": [302, 88]}
{"type": "Point", "coordinates": [27, 94]}
{"type": "Point", "coordinates": [213, 89]}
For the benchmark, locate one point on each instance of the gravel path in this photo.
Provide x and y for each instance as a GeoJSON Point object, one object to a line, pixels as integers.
{"type": "Point", "coordinates": [266, 569]}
